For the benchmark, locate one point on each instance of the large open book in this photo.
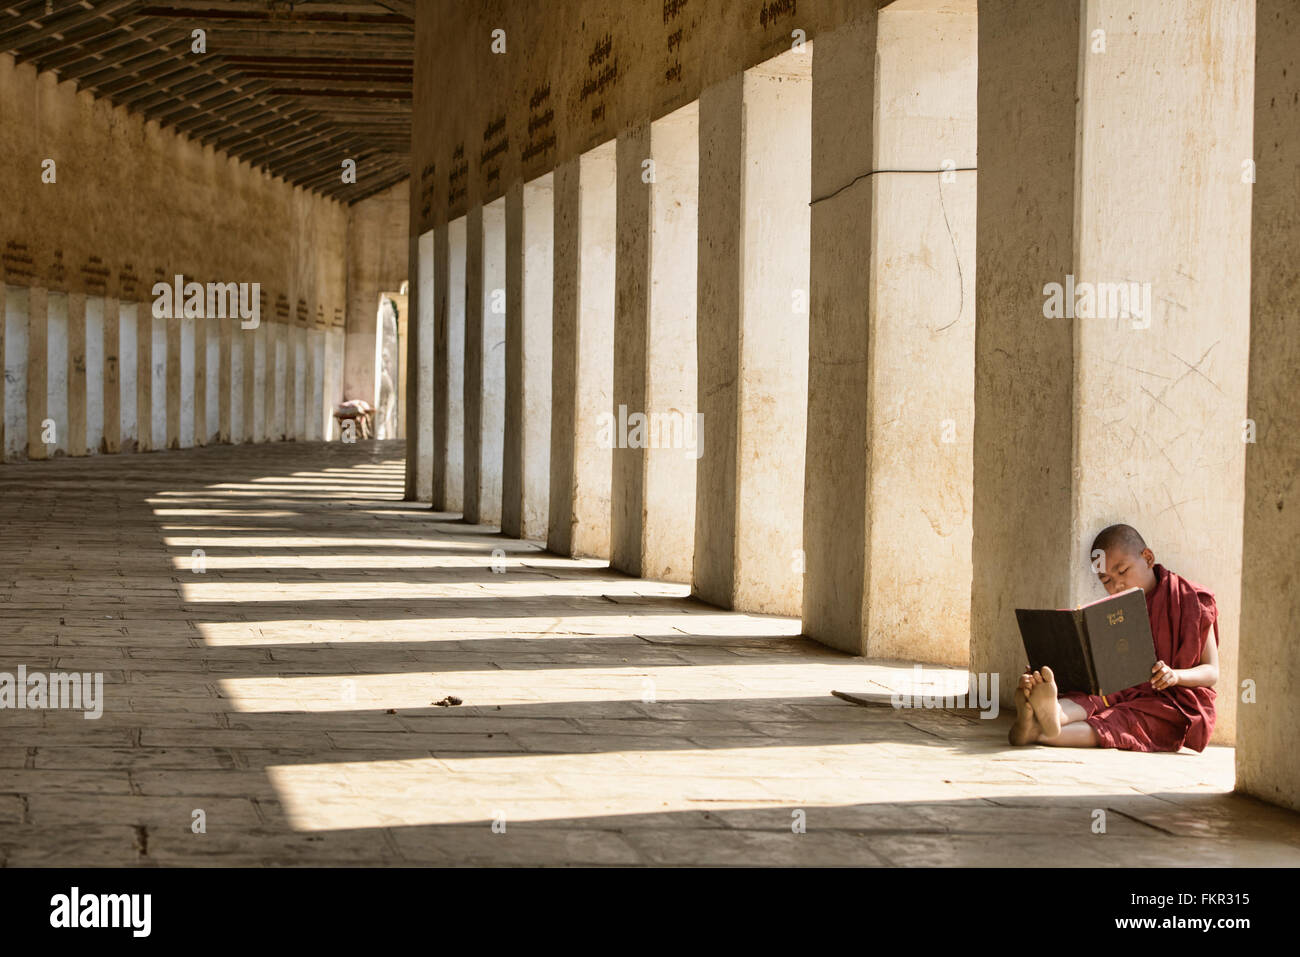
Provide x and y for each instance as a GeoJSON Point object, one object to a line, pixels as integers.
{"type": "Point", "coordinates": [1098, 648]}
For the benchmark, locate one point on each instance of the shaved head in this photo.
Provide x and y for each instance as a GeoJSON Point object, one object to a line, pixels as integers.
{"type": "Point", "coordinates": [1122, 560]}
{"type": "Point", "coordinates": [1123, 537]}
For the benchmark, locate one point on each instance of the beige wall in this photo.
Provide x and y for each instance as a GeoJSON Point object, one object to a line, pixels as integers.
{"type": "Point", "coordinates": [136, 202]}
{"type": "Point", "coordinates": [887, 503]}
{"type": "Point", "coordinates": [1072, 424]}
{"type": "Point", "coordinates": [1092, 420]}
{"type": "Point", "coordinates": [377, 254]}
{"type": "Point", "coordinates": [1268, 725]}
{"type": "Point", "coordinates": [132, 204]}
{"type": "Point", "coordinates": [554, 51]}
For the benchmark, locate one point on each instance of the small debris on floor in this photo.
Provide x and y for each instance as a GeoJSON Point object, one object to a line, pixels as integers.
{"type": "Point", "coordinates": [392, 711]}
{"type": "Point", "coordinates": [448, 702]}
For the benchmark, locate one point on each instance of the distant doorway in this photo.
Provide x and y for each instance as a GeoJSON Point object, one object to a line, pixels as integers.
{"type": "Point", "coordinates": [391, 330]}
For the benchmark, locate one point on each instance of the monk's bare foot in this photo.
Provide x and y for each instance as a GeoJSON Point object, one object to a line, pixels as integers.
{"type": "Point", "coordinates": [1043, 700]}
{"type": "Point", "coordinates": [1026, 729]}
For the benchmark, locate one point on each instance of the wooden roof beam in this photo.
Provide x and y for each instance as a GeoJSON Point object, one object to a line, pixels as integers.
{"type": "Point", "coordinates": [276, 124]}
{"type": "Point", "coordinates": [255, 111]}
{"type": "Point", "coordinates": [60, 22]}
{"type": "Point", "coordinates": [260, 60]}
{"type": "Point", "coordinates": [92, 56]}
{"type": "Point", "coordinates": [289, 16]}
{"type": "Point", "coordinates": [342, 94]}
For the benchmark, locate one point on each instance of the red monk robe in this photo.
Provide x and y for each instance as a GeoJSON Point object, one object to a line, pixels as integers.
{"type": "Point", "coordinates": [1141, 719]}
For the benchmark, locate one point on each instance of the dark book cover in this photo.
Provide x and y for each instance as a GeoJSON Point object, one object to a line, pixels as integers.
{"type": "Point", "coordinates": [1098, 648]}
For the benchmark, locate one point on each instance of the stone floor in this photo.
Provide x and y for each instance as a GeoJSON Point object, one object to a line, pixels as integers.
{"type": "Point", "coordinates": [286, 689]}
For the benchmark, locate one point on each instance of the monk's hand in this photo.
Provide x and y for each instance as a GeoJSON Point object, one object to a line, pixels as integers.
{"type": "Point", "coordinates": [1162, 676]}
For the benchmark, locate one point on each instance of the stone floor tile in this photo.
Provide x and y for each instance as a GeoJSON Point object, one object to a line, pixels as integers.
{"type": "Point", "coordinates": [289, 691]}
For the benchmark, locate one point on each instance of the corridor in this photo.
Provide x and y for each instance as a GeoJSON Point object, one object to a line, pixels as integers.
{"type": "Point", "coordinates": [275, 628]}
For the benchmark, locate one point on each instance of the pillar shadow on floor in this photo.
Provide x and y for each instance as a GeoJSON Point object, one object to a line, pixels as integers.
{"type": "Point", "coordinates": [201, 696]}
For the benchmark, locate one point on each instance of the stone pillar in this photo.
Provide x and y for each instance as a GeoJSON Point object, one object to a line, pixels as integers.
{"type": "Point", "coordinates": [440, 281]}
{"type": "Point", "coordinates": [55, 349]}
{"type": "Point", "coordinates": [472, 381]}
{"type": "Point", "coordinates": [160, 362]}
{"type": "Point", "coordinates": [402, 303]}
{"type": "Point", "coordinates": [362, 353]}
{"type": "Point", "coordinates": [37, 371]}
{"type": "Point", "coordinates": [113, 386]}
{"type": "Point", "coordinates": [270, 384]}
{"type": "Point", "coordinates": [286, 386]}
{"type": "Point", "coordinates": [1120, 402]}
{"type": "Point", "coordinates": [239, 411]}
{"type": "Point", "coordinates": [635, 178]}
{"type": "Point", "coordinates": [267, 388]}
{"type": "Point", "coordinates": [275, 383]}
{"type": "Point", "coordinates": [218, 377]}
{"type": "Point", "coordinates": [530, 274]}
{"type": "Point", "coordinates": [226, 382]}
{"type": "Point", "coordinates": [212, 382]}
{"type": "Point", "coordinates": [472, 384]}
{"type": "Point", "coordinates": [201, 325]}
{"type": "Point", "coordinates": [582, 358]}
{"type": "Point", "coordinates": [419, 393]}
{"type": "Point", "coordinates": [256, 356]}
{"type": "Point", "coordinates": [4, 380]}
{"type": "Point", "coordinates": [307, 410]}
{"type": "Point", "coordinates": [309, 414]}
{"type": "Point", "coordinates": [485, 309]}
{"type": "Point", "coordinates": [302, 382]}
{"type": "Point", "coordinates": [755, 164]}
{"type": "Point", "coordinates": [329, 382]}
{"type": "Point", "coordinates": [334, 348]}
{"type": "Point", "coordinates": [292, 381]}
{"type": "Point", "coordinates": [299, 365]}
{"type": "Point", "coordinates": [143, 378]}
{"type": "Point", "coordinates": [285, 381]}
{"type": "Point", "coordinates": [408, 406]}
{"type": "Point", "coordinates": [188, 379]}
{"type": "Point", "coordinates": [279, 385]}
{"type": "Point", "coordinates": [74, 443]}
{"type": "Point", "coordinates": [652, 524]}
{"type": "Point", "coordinates": [888, 480]}
{"type": "Point", "coordinates": [128, 359]}
{"type": "Point", "coordinates": [449, 367]}
{"type": "Point", "coordinates": [16, 371]}
{"type": "Point", "coordinates": [325, 410]}
{"type": "Point", "coordinates": [93, 359]}
{"type": "Point", "coordinates": [270, 394]}
{"type": "Point", "coordinates": [174, 383]}
{"type": "Point", "coordinates": [1270, 602]}
{"type": "Point", "coordinates": [315, 383]}
{"type": "Point", "coordinates": [243, 345]}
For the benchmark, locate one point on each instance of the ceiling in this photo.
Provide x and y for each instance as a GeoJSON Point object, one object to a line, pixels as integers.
{"type": "Point", "coordinates": [291, 87]}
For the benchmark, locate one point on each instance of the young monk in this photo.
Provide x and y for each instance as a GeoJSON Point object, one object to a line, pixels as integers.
{"type": "Point", "coordinates": [1175, 707]}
